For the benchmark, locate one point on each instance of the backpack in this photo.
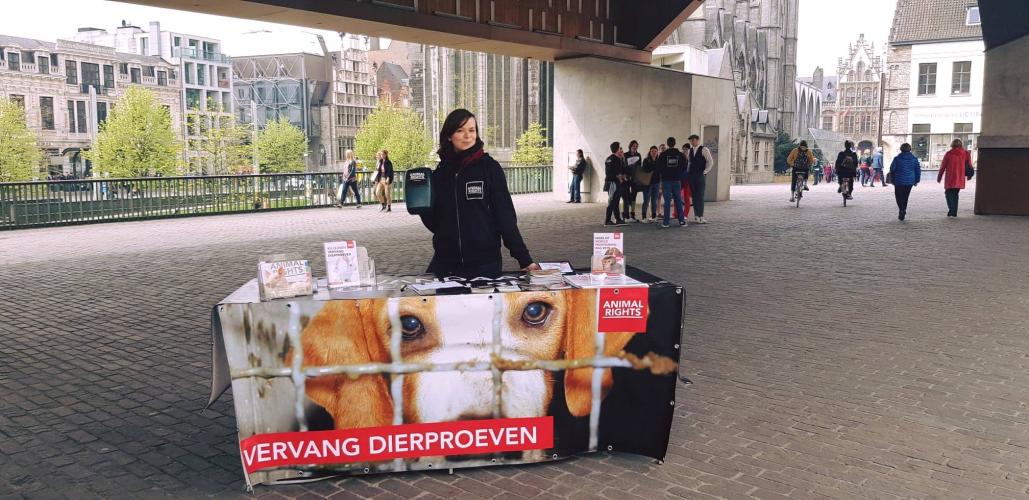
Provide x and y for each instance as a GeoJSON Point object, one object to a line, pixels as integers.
{"type": "Point", "coordinates": [803, 162]}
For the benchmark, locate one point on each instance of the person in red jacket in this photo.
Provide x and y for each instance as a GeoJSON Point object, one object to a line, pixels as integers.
{"type": "Point", "coordinates": [953, 170]}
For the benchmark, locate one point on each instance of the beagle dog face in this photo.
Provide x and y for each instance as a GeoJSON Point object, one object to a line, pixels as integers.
{"type": "Point", "coordinates": [454, 329]}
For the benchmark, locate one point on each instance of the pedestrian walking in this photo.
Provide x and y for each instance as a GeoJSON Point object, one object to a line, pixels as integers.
{"type": "Point", "coordinates": [956, 166]}
{"type": "Point", "coordinates": [614, 177]}
{"type": "Point", "coordinates": [905, 173]}
{"type": "Point", "coordinates": [575, 189]}
{"type": "Point", "coordinates": [700, 163]}
{"type": "Point", "coordinates": [650, 181]}
{"type": "Point", "coordinates": [384, 181]}
{"type": "Point", "coordinates": [866, 169]}
{"type": "Point", "coordinates": [877, 167]}
{"type": "Point", "coordinates": [475, 213]}
{"type": "Point", "coordinates": [349, 180]}
{"type": "Point", "coordinates": [671, 162]}
{"type": "Point", "coordinates": [633, 162]}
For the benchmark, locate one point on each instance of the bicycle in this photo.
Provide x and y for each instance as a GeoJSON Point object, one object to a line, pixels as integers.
{"type": "Point", "coordinates": [800, 185]}
{"type": "Point", "coordinates": [846, 187]}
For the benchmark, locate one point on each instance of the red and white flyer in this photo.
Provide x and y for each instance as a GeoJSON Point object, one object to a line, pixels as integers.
{"type": "Point", "coordinates": [608, 254]}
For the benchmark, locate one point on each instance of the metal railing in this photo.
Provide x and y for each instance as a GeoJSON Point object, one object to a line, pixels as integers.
{"type": "Point", "coordinates": [82, 201]}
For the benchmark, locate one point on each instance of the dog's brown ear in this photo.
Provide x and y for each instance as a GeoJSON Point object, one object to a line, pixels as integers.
{"type": "Point", "coordinates": [349, 332]}
{"type": "Point", "coordinates": [579, 342]}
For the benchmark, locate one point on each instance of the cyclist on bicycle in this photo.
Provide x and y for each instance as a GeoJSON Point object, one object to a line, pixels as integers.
{"type": "Point", "coordinates": [800, 160]}
{"type": "Point", "coordinates": [847, 170]}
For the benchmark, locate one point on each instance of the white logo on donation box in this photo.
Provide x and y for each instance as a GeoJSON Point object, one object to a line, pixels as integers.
{"type": "Point", "coordinates": [623, 310]}
{"type": "Point", "coordinates": [474, 190]}
{"type": "Point", "coordinates": [416, 177]}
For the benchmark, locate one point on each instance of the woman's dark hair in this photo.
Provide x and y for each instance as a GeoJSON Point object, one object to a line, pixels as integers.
{"type": "Point", "coordinates": [905, 148]}
{"type": "Point", "coordinates": [633, 142]}
{"type": "Point", "coordinates": [614, 146]}
{"type": "Point", "coordinates": [848, 144]}
{"type": "Point", "coordinates": [578, 152]}
{"type": "Point", "coordinates": [455, 120]}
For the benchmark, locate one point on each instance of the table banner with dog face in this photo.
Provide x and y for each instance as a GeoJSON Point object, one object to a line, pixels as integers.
{"type": "Point", "coordinates": [325, 387]}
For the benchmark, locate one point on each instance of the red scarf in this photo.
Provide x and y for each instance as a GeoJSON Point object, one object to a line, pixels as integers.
{"type": "Point", "coordinates": [460, 160]}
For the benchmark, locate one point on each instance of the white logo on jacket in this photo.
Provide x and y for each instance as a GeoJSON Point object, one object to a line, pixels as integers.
{"type": "Point", "coordinates": [474, 190]}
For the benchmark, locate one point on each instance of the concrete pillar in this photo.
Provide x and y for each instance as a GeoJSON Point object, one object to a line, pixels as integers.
{"type": "Point", "coordinates": [1003, 168]}
{"type": "Point", "coordinates": [598, 101]}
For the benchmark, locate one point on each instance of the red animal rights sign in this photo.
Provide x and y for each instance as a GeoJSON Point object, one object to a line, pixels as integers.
{"type": "Point", "coordinates": [374, 444]}
{"type": "Point", "coordinates": [623, 310]}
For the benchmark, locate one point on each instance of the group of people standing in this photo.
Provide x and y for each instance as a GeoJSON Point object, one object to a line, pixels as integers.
{"type": "Point", "coordinates": [665, 172]}
{"type": "Point", "coordinates": [382, 182]}
{"type": "Point", "coordinates": [905, 172]}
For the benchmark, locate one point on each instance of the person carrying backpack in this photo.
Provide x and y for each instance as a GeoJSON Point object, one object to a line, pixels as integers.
{"type": "Point", "coordinates": [800, 160]}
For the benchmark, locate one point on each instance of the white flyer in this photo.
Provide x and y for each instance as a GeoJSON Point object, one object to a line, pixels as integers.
{"type": "Point", "coordinates": [608, 254]}
{"type": "Point", "coordinates": [341, 264]}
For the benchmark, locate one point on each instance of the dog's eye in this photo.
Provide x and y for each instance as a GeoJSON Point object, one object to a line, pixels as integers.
{"type": "Point", "coordinates": [536, 313]}
{"type": "Point", "coordinates": [411, 328]}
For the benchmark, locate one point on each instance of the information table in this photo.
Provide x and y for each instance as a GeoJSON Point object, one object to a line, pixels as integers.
{"type": "Point", "coordinates": [384, 380]}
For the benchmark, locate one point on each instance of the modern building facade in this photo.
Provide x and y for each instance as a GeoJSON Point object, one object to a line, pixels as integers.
{"type": "Point", "coordinates": [327, 96]}
{"type": "Point", "coordinates": [506, 93]}
{"type": "Point", "coordinates": [760, 41]}
{"type": "Point", "coordinates": [934, 87]}
{"type": "Point", "coordinates": [206, 74]}
{"type": "Point", "coordinates": [68, 88]}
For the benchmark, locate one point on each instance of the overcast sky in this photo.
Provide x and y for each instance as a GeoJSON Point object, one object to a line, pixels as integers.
{"type": "Point", "coordinates": [826, 27]}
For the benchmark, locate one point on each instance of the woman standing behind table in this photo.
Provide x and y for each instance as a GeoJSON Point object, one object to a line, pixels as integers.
{"type": "Point", "coordinates": [472, 211]}
{"type": "Point", "coordinates": [953, 168]}
{"type": "Point", "coordinates": [906, 172]}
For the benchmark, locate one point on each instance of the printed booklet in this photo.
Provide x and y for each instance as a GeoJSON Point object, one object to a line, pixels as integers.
{"type": "Point", "coordinates": [284, 277]}
{"type": "Point", "coordinates": [608, 254]}
{"type": "Point", "coordinates": [342, 264]}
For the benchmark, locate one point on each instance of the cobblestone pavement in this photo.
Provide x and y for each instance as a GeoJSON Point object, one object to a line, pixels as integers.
{"type": "Point", "coordinates": [836, 352]}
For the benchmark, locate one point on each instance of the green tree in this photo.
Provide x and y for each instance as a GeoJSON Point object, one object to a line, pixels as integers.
{"type": "Point", "coordinates": [281, 147]}
{"type": "Point", "coordinates": [225, 147]}
{"type": "Point", "coordinates": [20, 156]}
{"type": "Point", "coordinates": [783, 145]}
{"type": "Point", "coordinates": [531, 148]}
{"type": "Point", "coordinates": [397, 130]}
{"type": "Point", "coordinates": [137, 139]}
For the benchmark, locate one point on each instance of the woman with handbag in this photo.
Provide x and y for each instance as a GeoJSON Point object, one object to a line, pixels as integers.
{"type": "Point", "coordinates": [905, 173]}
{"type": "Point", "coordinates": [956, 167]}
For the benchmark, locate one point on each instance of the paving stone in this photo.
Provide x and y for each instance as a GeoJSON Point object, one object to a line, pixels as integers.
{"type": "Point", "coordinates": [836, 352]}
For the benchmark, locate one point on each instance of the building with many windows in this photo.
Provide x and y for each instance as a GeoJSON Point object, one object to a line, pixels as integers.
{"type": "Point", "coordinates": [934, 84]}
{"type": "Point", "coordinates": [326, 95]}
{"type": "Point", "coordinates": [67, 89]}
{"type": "Point", "coordinates": [206, 74]}
{"type": "Point", "coordinates": [854, 112]}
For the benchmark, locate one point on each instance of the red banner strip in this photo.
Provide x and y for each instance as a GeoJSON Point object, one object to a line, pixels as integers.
{"type": "Point", "coordinates": [374, 444]}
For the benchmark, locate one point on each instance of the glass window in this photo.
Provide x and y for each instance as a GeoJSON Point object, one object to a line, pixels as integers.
{"type": "Point", "coordinates": [123, 68]}
{"type": "Point", "coordinates": [46, 112]}
{"type": "Point", "coordinates": [71, 116]}
{"type": "Point", "coordinates": [962, 79]}
{"type": "Point", "coordinates": [19, 100]}
{"type": "Point", "coordinates": [972, 16]}
{"type": "Point", "coordinates": [148, 71]}
{"type": "Point", "coordinates": [192, 98]}
{"type": "Point", "coordinates": [71, 72]}
{"type": "Point", "coordinates": [201, 73]}
{"type": "Point", "coordinates": [962, 128]}
{"type": "Point", "coordinates": [80, 116]}
{"type": "Point", "coordinates": [14, 61]}
{"type": "Point", "coordinates": [177, 41]}
{"type": "Point", "coordinates": [144, 46]}
{"type": "Point", "coordinates": [101, 112]}
{"type": "Point", "coordinates": [53, 60]}
{"type": "Point", "coordinates": [135, 76]}
{"type": "Point", "coordinates": [927, 79]}
{"type": "Point", "coordinates": [920, 140]}
{"type": "Point", "coordinates": [109, 76]}
{"type": "Point", "coordinates": [43, 63]}
{"type": "Point", "coordinates": [162, 78]}
{"type": "Point", "coordinates": [91, 74]}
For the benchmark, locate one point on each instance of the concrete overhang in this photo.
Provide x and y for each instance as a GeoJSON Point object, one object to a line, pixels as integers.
{"type": "Point", "coordinates": [644, 25]}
